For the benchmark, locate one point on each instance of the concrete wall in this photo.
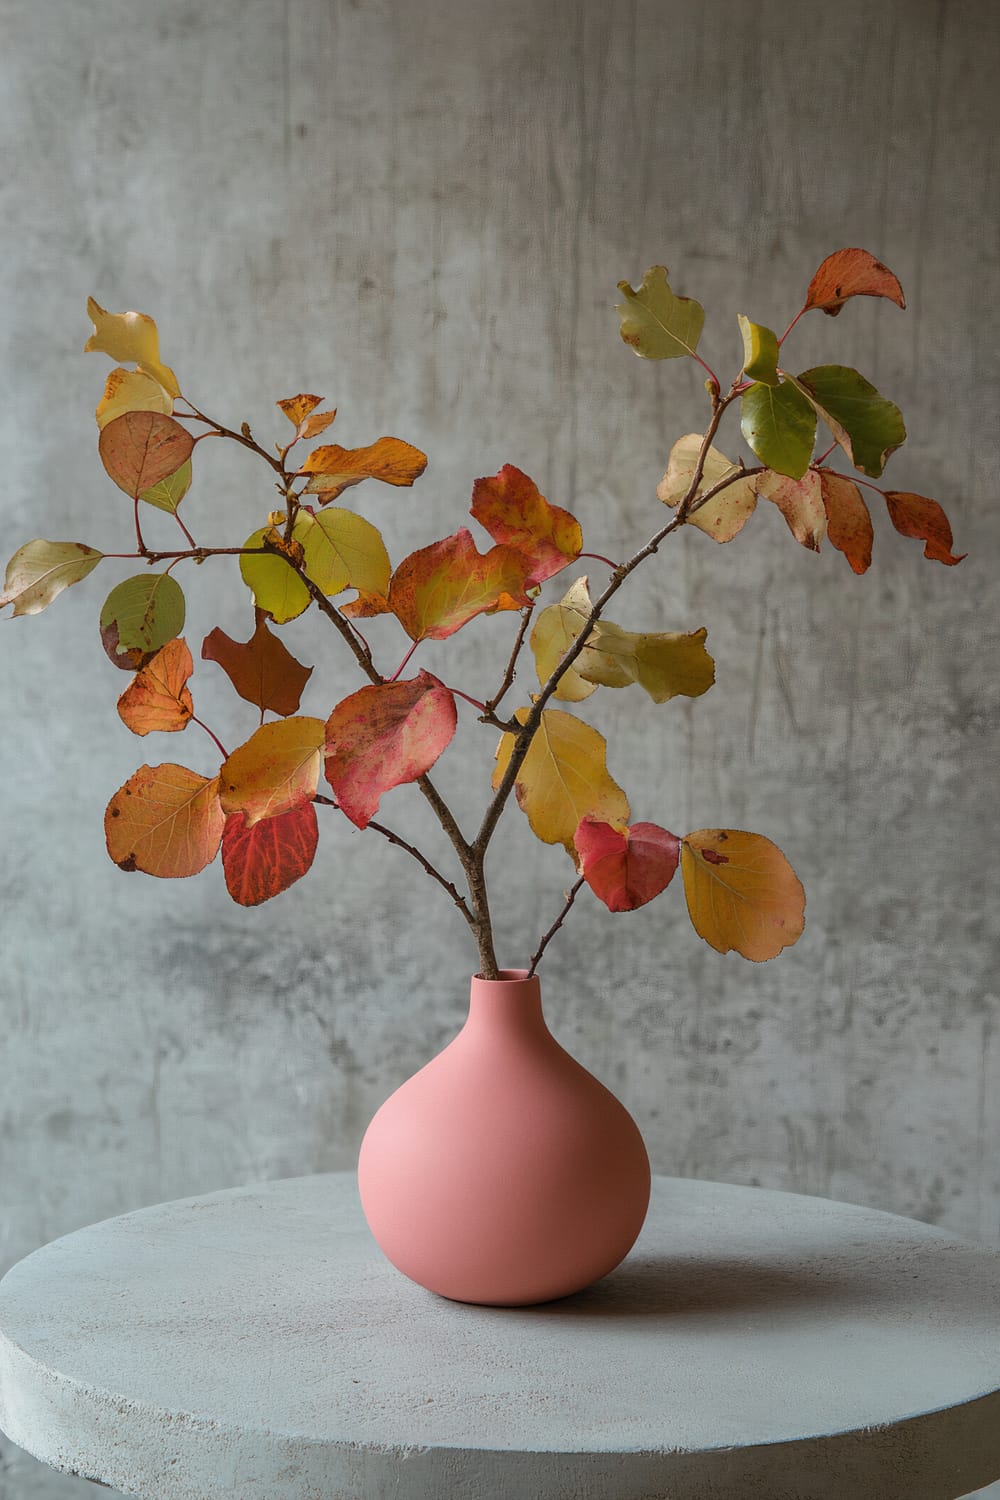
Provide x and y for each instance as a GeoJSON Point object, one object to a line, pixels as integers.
{"type": "Point", "coordinates": [421, 210]}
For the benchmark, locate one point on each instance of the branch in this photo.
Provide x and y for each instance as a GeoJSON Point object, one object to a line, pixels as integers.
{"type": "Point", "coordinates": [245, 437]}
{"type": "Point", "coordinates": [570, 898]}
{"type": "Point", "coordinates": [508, 676]}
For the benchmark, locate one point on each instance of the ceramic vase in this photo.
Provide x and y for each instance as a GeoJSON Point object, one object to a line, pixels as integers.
{"type": "Point", "coordinates": [503, 1172]}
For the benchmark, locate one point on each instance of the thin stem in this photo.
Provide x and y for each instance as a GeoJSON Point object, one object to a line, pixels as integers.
{"type": "Point", "coordinates": [709, 372]}
{"type": "Point", "coordinates": [218, 743]}
{"type": "Point", "coordinates": [245, 437]}
{"type": "Point", "coordinates": [598, 557]}
{"type": "Point", "coordinates": [823, 456]}
{"type": "Point", "coordinates": [791, 325]}
{"type": "Point", "coordinates": [402, 664]}
{"type": "Point", "coordinates": [140, 544]}
{"type": "Point", "coordinates": [511, 667]}
{"type": "Point", "coordinates": [184, 529]}
{"type": "Point", "coordinates": [571, 895]}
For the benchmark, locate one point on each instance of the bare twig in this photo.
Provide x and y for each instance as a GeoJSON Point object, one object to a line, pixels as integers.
{"type": "Point", "coordinates": [509, 671]}
{"type": "Point", "coordinates": [571, 896]}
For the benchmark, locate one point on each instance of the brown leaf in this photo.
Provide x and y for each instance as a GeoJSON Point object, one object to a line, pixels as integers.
{"type": "Point", "coordinates": [335, 469]}
{"type": "Point", "coordinates": [141, 448]}
{"type": "Point", "coordinates": [158, 698]}
{"type": "Point", "coordinates": [262, 669]}
{"type": "Point", "coordinates": [916, 516]}
{"type": "Point", "coordinates": [262, 859]}
{"type": "Point", "coordinates": [851, 273]}
{"type": "Point", "coordinates": [848, 520]}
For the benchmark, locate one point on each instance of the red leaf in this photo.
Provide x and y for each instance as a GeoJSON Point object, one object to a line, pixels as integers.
{"type": "Point", "coordinates": [140, 448]}
{"type": "Point", "coordinates": [262, 669]}
{"type": "Point", "coordinates": [848, 520]}
{"type": "Point", "coordinates": [626, 868]}
{"type": "Point", "coordinates": [851, 273]}
{"type": "Point", "coordinates": [916, 516]}
{"type": "Point", "coordinates": [436, 591]}
{"type": "Point", "coordinates": [265, 859]}
{"type": "Point", "coordinates": [383, 736]}
{"type": "Point", "coordinates": [513, 511]}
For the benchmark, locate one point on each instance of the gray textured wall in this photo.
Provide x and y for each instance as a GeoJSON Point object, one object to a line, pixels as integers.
{"type": "Point", "coordinates": [421, 210]}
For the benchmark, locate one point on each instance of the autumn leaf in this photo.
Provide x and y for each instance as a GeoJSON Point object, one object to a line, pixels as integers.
{"type": "Point", "coordinates": [317, 423]}
{"type": "Point", "coordinates": [142, 614]}
{"type": "Point", "coordinates": [275, 770]}
{"type": "Point", "coordinates": [554, 632]}
{"type": "Point", "coordinates": [513, 511]}
{"type": "Point", "coordinates": [342, 550]}
{"type": "Point", "coordinates": [139, 449]}
{"type": "Point", "coordinates": [741, 892]}
{"type": "Point", "coordinates": [729, 511]}
{"type": "Point", "coordinates": [297, 408]}
{"type": "Point", "coordinates": [169, 492]}
{"type": "Point", "coordinates": [916, 516]}
{"type": "Point", "coordinates": [848, 520]}
{"type": "Point", "coordinates": [563, 778]}
{"type": "Point", "coordinates": [655, 323]}
{"type": "Point", "coordinates": [131, 390]}
{"type": "Point", "coordinates": [262, 859]}
{"type": "Point", "coordinates": [40, 570]}
{"type": "Point", "coordinates": [131, 338]}
{"type": "Point", "coordinates": [800, 502]}
{"type": "Point", "coordinates": [851, 273]}
{"type": "Point", "coordinates": [760, 351]}
{"type": "Point", "coordinates": [366, 605]}
{"type": "Point", "coordinates": [334, 469]}
{"type": "Point", "coordinates": [626, 867]}
{"type": "Point", "coordinates": [440, 588]}
{"type": "Point", "coordinates": [274, 583]}
{"type": "Point", "coordinates": [165, 821]}
{"type": "Point", "coordinates": [158, 698]}
{"type": "Point", "coordinates": [867, 426]}
{"type": "Point", "coordinates": [383, 736]}
{"type": "Point", "coordinates": [262, 670]}
{"type": "Point", "coordinates": [779, 424]}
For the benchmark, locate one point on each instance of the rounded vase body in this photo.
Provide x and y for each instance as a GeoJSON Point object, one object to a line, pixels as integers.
{"type": "Point", "coordinates": [503, 1172]}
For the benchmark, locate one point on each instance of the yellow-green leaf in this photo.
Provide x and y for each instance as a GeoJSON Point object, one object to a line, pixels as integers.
{"type": "Point", "coordinates": [143, 613]}
{"type": "Point", "coordinates": [728, 511]}
{"type": "Point", "coordinates": [276, 587]}
{"type": "Point", "coordinates": [867, 426]}
{"type": "Point", "coordinates": [779, 424]}
{"type": "Point", "coordinates": [555, 630]}
{"type": "Point", "coordinates": [760, 351]}
{"type": "Point", "coordinates": [132, 338]}
{"type": "Point", "coordinates": [342, 550]}
{"type": "Point", "coordinates": [741, 892]}
{"type": "Point", "coordinates": [668, 665]}
{"type": "Point", "coordinates": [169, 492]}
{"type": "Point", "coordinates": [131, 390]}
{"type": "Point", "coordinates": [563, 779]}
{"type": "Point", "coordinates": [40, 570]}
{"type": "Point", "coordinates": [655, 323]}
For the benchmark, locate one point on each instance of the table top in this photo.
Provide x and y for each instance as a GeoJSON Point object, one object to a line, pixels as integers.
{"type": "Point", "coordinates": [254, 1343]}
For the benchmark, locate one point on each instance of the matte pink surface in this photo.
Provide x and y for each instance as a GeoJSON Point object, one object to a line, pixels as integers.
{"type": "Point", "coordinates": [503, 1172]}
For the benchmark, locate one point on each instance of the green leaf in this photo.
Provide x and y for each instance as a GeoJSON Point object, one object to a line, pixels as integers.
{"type": "Point", "coordinates": [760, 351]}
{"type": "Point", "coordinates": [866, 425]}
{"type": "Point", "coordinates": [780, 425]}
{"type": "Point", "coordinates": [40, 570]}
{"type": "Point", "coordinates": [655, 323]}
{"type": "Point", "coordinates": [276, 587]}
{"type": "Point", "coordinates": [169, 492]}
{"type": "Point", "coordinates": [143, 613]}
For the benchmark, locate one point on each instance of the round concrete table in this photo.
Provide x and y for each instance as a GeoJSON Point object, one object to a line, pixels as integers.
{"type": "Point", "coordinates": [254, 1343]}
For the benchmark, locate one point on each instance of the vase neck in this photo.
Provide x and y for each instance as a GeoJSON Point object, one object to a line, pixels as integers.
{"type": "Point", "coordinates": [512, 1003]}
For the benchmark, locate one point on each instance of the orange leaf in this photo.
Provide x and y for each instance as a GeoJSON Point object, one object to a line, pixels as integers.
{"type": "Point", "coordinates": [626, 868]}
{"type": "Point", "coordinates": [262, 859]}
{"type": "Point", "coordinates": [297, 408]}
{"type": "Point", "coordinates": [800, 502]}
{"type": "Point", "coordinates": [317, 423]}
{"type": "Point", "coordinates": [383, 736]}
{"type": "Point", "coordinates": [277, 769]}
{"type": "Point", "coordinates": [848, 521]}
{"type": "Point", "coordinates": [158, 697]}
{"type": "Point", "coordinates": [436, 591]}
{"type": "Point", "coordinates": [916, 516]}
{"type": "Point", "coordinates": [262, 669]}
{"type": "Point", "coordinates": [365, 606]}
{"type": "Point", "coordinates": [513, 511]}
{"type": "Point", "coordinates": [851, 273]}
{"type": "Point", "coordinates": [335, 469]}
{"type": "Point", "coordinates": [165, 821]}
{"type": "Point", "coordinates": [741, 892]}
{"type": "Point", "coordinates": [141, 448]}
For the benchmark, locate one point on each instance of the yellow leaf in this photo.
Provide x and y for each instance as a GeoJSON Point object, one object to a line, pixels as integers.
{"type": "Point", "coordinates": [297, 408]}
{"type": "Point", "coordinates": [335, 469]}
{"type": "Point", "coordinates": [276, 770]}
{"type": "Point", "coordinates": [555, 630]}
{"type": "Point", "coordinates": [722, 517]}
{"type": "Point", "coordinates": [564, 778]}
{"type": "Point", "coordinates": [343, 550]}
{"type": "Point", "coordinates": [741, 892]}
{"type": "Point", "coordinates": [668, 665]}
{"type": "Point", "coordinates": [130, 337]}
{"type": "Point", "coordinates": [131, 390]}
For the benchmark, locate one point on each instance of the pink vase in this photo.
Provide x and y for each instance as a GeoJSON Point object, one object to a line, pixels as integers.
{"type": "Point", "coordinates": [503, 1172]}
